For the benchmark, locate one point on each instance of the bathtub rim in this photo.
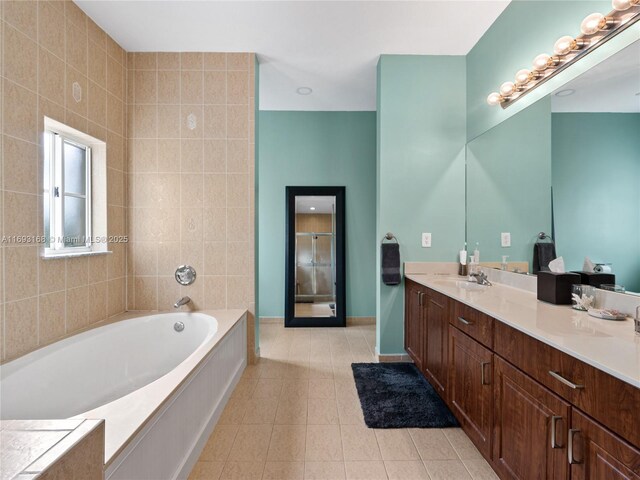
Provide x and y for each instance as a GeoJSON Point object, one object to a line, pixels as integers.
{"type": "Point", "coordinates": [122, 429]}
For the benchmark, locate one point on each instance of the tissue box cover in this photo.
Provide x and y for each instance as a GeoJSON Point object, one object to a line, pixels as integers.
{"type": "Point", "coordinates": [556, 287]}
{"type": "Point", "coordinates": [596, 279]}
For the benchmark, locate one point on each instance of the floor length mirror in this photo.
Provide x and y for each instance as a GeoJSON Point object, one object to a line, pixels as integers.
{"type": "Point", "coordinates": [315, 284]}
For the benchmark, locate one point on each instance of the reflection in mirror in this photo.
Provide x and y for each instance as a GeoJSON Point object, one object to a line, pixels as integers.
{"type": "Point", "coordinates": [315, 257]}
{"type": "Point", "coordinates": [595, 153]}
{"type": "Point", "coordinates": [315, 277]}
{"type": "Point", "coordinates": [568, 165]}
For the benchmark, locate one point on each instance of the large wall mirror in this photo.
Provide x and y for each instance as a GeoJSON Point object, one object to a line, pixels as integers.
{"type": "Point", "coordinates": [315, 270]}
{"type": "Point", "coordinates": [568, 166]}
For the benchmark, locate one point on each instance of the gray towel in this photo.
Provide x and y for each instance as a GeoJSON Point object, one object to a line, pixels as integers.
{"type": "Point", "coordinates": [543, 253]}
{"type": "Point", "coordinates": [390, 263]}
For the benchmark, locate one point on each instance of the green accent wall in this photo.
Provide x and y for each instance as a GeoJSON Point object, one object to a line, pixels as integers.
{"type": "Point", "coordinates": [525, 29]}
{"type": "Point", "coordinates": [420, 171]}
{"type": "Point", "coordinates": [509, 185]}
{"type": "Point", "coordinates": [596, 178]}
{"type": "Point", "coordinates": [317, 149]}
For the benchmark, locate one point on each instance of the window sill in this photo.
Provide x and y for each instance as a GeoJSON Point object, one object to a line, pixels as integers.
{"type": "Point", "coordinates": [52, 256]}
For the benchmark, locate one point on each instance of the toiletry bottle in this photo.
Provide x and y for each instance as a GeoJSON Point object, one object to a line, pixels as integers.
{"type": "Point", "coordinates": [462, 268]}
{"type": "Point", "coordinates": [476, 253]}
{"type": "Point", "coordinates": [504, 265]}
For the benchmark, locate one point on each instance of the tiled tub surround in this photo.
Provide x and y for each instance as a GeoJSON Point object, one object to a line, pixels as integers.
{"type": "Point", "coordinates": [46, 47]}
{"type": "Point", "coordinates": [191, 180]}
{"type": "Point", "coordinates": [52, 449]}
{"type": "Point", "coordinates": [610, 346]}
{"type": "Point", "coordinates": [188, 380]}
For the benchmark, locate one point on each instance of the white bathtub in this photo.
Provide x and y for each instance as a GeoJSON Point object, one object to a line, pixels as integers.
{"type": "Point", "coordinates": [160, 391]}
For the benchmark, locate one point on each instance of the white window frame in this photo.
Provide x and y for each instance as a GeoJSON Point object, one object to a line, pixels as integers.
{"type": "Point", "coordinates": [54, 141]}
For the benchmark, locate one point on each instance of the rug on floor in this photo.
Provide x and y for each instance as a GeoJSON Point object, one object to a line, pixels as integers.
{"type": "Point", "coordinates": [396, 395]}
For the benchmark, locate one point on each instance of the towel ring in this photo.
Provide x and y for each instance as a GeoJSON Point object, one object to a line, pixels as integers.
{"type": "Point", "coordinates": [543, 236]}
{"type": "Point", "coordinates": [389, 236]}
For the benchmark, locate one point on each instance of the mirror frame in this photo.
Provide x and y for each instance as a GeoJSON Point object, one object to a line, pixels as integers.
{"type": "Point", "coordinates": [290, 320]}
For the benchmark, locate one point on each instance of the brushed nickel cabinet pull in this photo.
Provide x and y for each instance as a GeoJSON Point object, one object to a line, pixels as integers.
{"type": "Point", "coordinates": [563, 380]}
{"type": "Point", "coordinates": [554, 435]}
{"type": "Point", "coordinates": [572, 460]}
{"type": "Point", "coordinates": [482, 379]}
{"type": "Point", "coordinates": [465, 321]}
{"type": "Point", "coordinates": [419, 294]}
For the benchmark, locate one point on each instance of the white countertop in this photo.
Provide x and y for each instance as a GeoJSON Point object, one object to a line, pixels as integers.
{"type": "Point", "coordinates": [611, 346]}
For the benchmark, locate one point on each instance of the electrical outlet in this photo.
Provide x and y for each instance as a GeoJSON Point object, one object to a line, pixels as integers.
{"type": "Point", "coordinates": [426, 240]}
{"type": "Point", "coordinates": [505, 239]}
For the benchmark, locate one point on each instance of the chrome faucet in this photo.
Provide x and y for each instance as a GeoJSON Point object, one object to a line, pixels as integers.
{"type": "Point", "coordinates": [182, 301]}
{"type": "Point", "coordinates": [481, 278]}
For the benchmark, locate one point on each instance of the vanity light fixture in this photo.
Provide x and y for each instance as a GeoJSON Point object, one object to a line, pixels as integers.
{"type": "Point", "coordinates": [596, 30]}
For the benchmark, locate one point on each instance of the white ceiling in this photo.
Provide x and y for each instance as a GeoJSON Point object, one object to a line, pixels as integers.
{"type": "Point", "coordinates": [611, 86]}
{"type": "Point", "coordinates": [329, 46]}
{"type": "Point", "coordinates": [320, 204]}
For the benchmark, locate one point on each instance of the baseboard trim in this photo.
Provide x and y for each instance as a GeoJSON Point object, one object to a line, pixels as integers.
{"type": "Point", "coordinates": [350, 320]}
{"type": "Point", "coordinates": [393, 358]}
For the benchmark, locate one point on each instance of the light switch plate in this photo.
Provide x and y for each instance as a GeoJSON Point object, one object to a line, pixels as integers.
{"type": "Point", "coordinates": [426, 240]}
{"type": "Point", "coordinates": [505, 239]}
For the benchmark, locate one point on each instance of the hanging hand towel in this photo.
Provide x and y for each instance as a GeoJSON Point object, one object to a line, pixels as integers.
{"type": "Point", "coordinates": [543, 254]}
{"type": "Point", "coordinates": [390, 263]}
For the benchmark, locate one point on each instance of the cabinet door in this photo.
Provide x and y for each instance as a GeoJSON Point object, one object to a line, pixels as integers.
{"type": "Point", "coordinates": [530, 427]}
{"type": "Point", "coordinates": [437, 322]}
{"type": "Point", "coordinates": [470, 389]}
{"type": "Point", "coordinates": [414, 325]}
{"type": "Point", "coordinates": [598, 454]}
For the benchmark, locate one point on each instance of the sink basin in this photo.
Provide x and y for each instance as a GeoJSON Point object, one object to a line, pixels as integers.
{"type": "Point", "coordinates": [471, 286]}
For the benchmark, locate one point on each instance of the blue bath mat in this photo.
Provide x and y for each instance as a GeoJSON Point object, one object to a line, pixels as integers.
{"type": "Point", "coordinates": [396, 395]}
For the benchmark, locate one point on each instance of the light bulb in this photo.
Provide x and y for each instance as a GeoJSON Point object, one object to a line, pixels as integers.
{"type": "Point", "coordinates": [495, 99]}
{"type": "Point", "coordinates": [622, 5]}
{"type": "Point", "coordinates": [564, 45]}
{"type": "Point", "coordinates": [523, 77]}
{"type": "Point", "coordinates": [595, 22]}
{"type": "Point", "coordinates": [507, 89]}
{"type": "Point", "coordinates": [541, 62]}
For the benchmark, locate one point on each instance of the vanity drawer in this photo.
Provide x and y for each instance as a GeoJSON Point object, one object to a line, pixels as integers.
{"type": "Point", "coordinates": [474, 323]}
{"type": "Point", "coordinates": [611, 401]}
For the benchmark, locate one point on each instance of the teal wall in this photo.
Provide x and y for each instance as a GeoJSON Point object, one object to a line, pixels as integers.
{"type": "Point", "coordinates": [317, 149]}
{"type": "Point", "coordinates": [525, 29]}
{"type": "Point", "coordinates": [509, 184]}
{"type": "Point", "coordinates": [420, 170]}
{"type": "Point", "coordinates": [596, 184]}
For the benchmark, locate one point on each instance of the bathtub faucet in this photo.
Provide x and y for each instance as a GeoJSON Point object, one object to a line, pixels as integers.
{"type": "Point", "coordinates": [182, 301]}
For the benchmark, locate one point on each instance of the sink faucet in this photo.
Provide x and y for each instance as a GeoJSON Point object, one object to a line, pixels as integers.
{"type": "Point", "coordinates": [481, 278]}
{"type": "Point", "coordinates": [182, 301]}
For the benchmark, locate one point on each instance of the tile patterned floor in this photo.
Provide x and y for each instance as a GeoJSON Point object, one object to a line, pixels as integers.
{"type": "Point", "coordinates": [296, 415]}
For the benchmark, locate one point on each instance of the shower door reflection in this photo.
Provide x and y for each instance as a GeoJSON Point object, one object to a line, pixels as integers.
{"type": "Point", "coordinates": [313, 232]}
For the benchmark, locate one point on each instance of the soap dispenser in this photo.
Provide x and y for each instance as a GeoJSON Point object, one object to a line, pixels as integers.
{"type": "Point", "coordinates": [504, 266]}
{"type": "Point", "coordinates": [476, 254]}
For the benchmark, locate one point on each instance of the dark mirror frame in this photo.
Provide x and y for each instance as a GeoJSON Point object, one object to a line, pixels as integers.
{"type": "Point", "coordinates": [290, 320]}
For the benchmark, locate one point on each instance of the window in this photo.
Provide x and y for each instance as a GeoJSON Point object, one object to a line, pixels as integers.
{"type": "Point", "coordinates": [66, 194]}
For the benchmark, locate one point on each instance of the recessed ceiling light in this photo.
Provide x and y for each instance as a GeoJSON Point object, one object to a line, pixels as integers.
{"type": "Point", "coordinates": [304, 91]}
{"type": "Point", "coordinates": [565, 93]}
{"type": "Point", "coordinates": [312, 208]}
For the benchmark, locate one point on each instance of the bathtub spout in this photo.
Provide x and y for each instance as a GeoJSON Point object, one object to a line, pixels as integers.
{"type": "Point", "coordinates": [182, 301]}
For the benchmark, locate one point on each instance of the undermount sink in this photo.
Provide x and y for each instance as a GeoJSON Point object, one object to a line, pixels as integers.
{"type": "Point", "coordinates": [471, 286]}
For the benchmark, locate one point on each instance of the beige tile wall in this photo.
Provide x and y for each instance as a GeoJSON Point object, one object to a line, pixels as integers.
{"type": "Point", "coordinates": [191, 189]}
{"type": "Point", "coordinates": [45, 48]}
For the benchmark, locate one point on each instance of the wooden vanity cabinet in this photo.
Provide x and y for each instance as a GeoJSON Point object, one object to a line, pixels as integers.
{"type": "Point", "coordinates": [471, 388]}
{"type": "Point", "coordinates": [426, 321]}
{"type": "Point", "coordinates": [532, 411]}
{"type": "Point", "coordinates": [597, 454]}
{"type": "Point", "coordinates": [437, 326]}
{"type": "Point", "coordinates": [530, 427]}
{"type": "Point", "coordinates": [414, 329]}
